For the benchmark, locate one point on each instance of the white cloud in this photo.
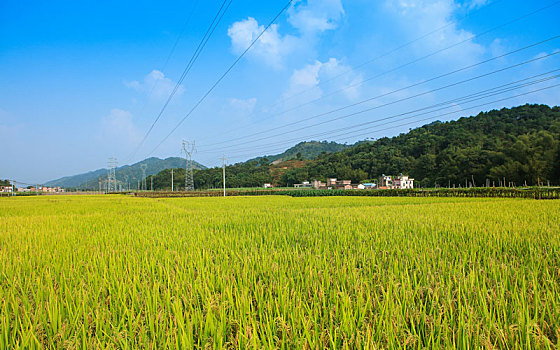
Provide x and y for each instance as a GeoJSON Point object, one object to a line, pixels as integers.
{"type": "Point", "coordinates": [271, 47]}
{"type": "Point", "coordinates": [243, 106]}
{"type": "Point", "coordinates": [475, 4]}
{"type": "Point", "coordinates": [309, 17]}
{"type": "Point", "coordinates": [119, 127]}
{"type": "Point", "coordinates": [316, 15]}
{"type": "Point", "coordinates": [424, 16]}
{"type": "Point", "coordinates": [305, 82]}
{"type": "Point", "coordinates": [156, 86]}
{"type": "Point", "coordinates": [497, 48]}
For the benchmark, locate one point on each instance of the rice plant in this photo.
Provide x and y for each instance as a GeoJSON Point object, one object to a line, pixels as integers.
{"type": "Point", "coordinates": [279, 272]}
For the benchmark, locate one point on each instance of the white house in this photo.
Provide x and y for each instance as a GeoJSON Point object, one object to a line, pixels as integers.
{"type": "Point", "coordinates": [403, 182]}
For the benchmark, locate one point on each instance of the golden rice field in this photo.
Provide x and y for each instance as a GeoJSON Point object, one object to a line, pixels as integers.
{"type": "Point", "coordinates": [279, 272]}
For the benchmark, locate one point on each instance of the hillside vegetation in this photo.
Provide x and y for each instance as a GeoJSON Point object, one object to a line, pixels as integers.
{"type": "Point", "coordinates": [518, 145]}
{"type": "Point", "coordinates": [305, 150]}
{"type": "Point", "coordinates": [90, 180]}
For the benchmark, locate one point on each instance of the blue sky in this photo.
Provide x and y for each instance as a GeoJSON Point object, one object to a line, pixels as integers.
{"type": "Point", "coordinates": [83, 81]}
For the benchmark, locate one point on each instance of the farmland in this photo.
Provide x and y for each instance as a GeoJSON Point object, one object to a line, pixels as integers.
{"type": "Point", "coordinates": [279, 272]}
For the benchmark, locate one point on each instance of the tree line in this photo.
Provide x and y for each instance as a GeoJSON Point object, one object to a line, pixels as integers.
{"type": "Point", "coordinates": [517, 146]}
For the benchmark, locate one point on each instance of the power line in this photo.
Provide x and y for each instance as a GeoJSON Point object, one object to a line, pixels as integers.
{"type": "Point", "coordinates": [517, 19]}
{"type": "Point", "coordinates": [221, 77]}
{"type": "Point", "coordinates": [470, 98]}
{"type": "Point", "coordinates": [369, 61]}
{"type": "Point", "coordinates": [352, 133]}
{"type": "Point", "coordinates": [260, 151]}
{"type": "Point", "coordinates": [403, 88]}
{"type": "Point", "coordinates": [164, 67]}
{"type": "Point", "coordinates": [386, 104]}
{"type": "Point", "coordinates": [217, 19]}
{"type": "Point", "coordinates": [477, 106]}
{"type": "Point", "coordinates": [180, 35]}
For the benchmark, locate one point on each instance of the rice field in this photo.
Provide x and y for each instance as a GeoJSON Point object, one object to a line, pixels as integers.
{"type": "Point", "coordinates": [279, 272]}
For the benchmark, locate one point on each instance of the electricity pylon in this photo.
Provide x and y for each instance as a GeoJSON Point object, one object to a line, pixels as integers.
{"type": "Point", "coordinates": [112, 176]}
{"type": "Point", "coordinates": [189, 149]}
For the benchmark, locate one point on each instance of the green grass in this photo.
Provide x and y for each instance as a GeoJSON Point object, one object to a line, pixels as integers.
{"type": "Point", "coordinates": [279, 272]}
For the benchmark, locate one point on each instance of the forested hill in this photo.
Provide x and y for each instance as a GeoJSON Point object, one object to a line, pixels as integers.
{"type": "Point", "coordinates": [90, 180]}
{"type": "Point", "coordinates": [519, 144]}
{"type": "Point", "coordinates": [305, 150]}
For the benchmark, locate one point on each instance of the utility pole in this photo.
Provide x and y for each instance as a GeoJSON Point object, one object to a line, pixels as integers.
{"type": "Point", "coordinates": [189, 148]}
{"type": "Point", "coordinates": [224, 172]}
{"type": "Point", "coordinates": [152, 183]}
{"type": "Point", "coordinates": [143, 167]}
{"type": "Point", "coordinates": [171, 180]}
{"type": "Point", "coordinates": [14, 186]}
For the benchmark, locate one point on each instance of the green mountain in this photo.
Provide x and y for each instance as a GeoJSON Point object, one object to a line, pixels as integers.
{"type": "Point", "coordinates": [90, 180]}
{"type": "Point", "coordinates": [305, 150]}
{"type": "Point", "coordinates": [518, 145]}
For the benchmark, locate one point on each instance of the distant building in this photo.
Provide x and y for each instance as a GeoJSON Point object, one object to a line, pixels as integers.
{"type": "Point", "coordinates": [267, 185]}
{"type": "Point", "coordinates": [386, 181]}
{"type": "Point", "coordinates": [400, 182]}
{"type": "Point", "coordinates": [403, 182]}
{"type": "Point", "coordinates": [319, 185]}
{"type": "Point", "coordinates": [369, 185]}
{"type": "Point", "coordinates": [6, 189]}
{"type": "Point", "coordinates": [46, 189]}
{"type": "Point", "coordinates": [334, 183]}
{"type": "Point", "coordinates": [304, 184]}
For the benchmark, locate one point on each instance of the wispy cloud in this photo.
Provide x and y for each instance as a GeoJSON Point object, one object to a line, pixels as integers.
{"type": "Point", "coordinates": [304, 82]}
{"type": "Point", "coordinates": [416, 17]}
{"type": "Point", "coordinates": [118, 126]}
{"type": "Point", "coordinates": [315, 16]}
{"type": "Point", "coordinates": [244, 106]}
{"type": "Point", "coordinates": [155, 86]}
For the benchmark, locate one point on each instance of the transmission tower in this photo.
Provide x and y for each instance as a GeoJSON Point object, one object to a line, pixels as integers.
{"type": "Point", "coordinates": [111, 176]}
{"type": "Point", "coordinates": [189, 149]}
{"type": "Point", "coordinates": [143, 167]}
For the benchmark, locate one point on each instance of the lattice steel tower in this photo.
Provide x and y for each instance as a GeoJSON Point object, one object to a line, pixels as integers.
{"type": "Point", "coordinates": [112, 176]}
{"type": "Point", "coordinates": [189, 149]}
{"type": "Point", "coordinates": [143, 167]}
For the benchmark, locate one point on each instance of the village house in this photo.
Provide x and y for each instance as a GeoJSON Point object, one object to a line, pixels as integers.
{"type": "Point", "coordinates": [403, 182]}
{"type": "Point", "coordinates": [369, 185]}
{"type": "Point", "coordinates": [400, 182]}
{"type": "Point", "coordinates": [304, 184]}
{"type": "Point", "coordinates": [6, 189]}
{"type": "Point", "coordinates": [334, 183]}
{"type": "Point", "coordinates": [385, 181]}
{"type": "Point", "coordinates": [46, 189]}
{"type": "Point", "coordinates": [319, 185]}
